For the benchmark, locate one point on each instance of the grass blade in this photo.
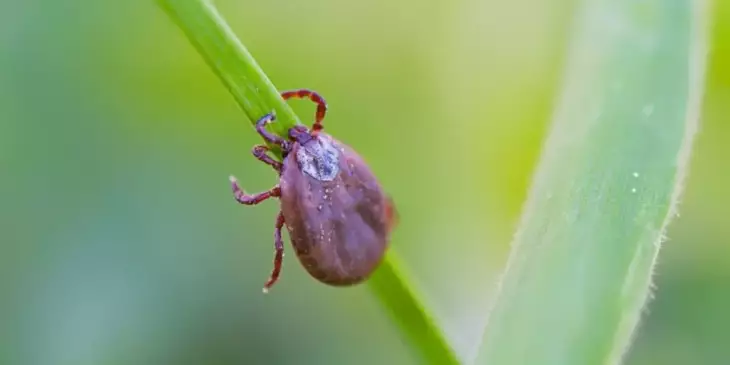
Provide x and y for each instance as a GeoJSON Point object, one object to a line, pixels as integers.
{"type": "Point", "coordinates": [206, 29]}
{"type": "Point", "coordinates": [407, 309]}
{"type": "Point", "coordinates": [606, 188]}
{"type": "Point", "coordinates": [256, 94]}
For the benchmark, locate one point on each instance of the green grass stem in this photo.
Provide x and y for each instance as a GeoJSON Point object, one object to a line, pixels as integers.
{"type": "Point", "coordinates": [206, 29]}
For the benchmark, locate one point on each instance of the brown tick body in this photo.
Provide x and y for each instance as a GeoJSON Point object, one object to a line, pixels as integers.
{"type": "Point", "coordinates": [338, 217]}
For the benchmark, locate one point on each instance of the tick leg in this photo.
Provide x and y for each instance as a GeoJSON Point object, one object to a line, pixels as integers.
{"type": "Point", "coordinates": [260, 152]}
{"type": "Point", "coordinates": [313, 96]}
{"type": "Point", "coordinates": [278, 255]}
{"type": "Point", "coordinates": [269, 137]}
{"type": "Point", "coordinates": [253, 199]}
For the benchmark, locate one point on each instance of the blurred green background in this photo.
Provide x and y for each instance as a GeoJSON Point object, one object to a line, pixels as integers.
{"type": "Point", "coordinates": [121, 242]}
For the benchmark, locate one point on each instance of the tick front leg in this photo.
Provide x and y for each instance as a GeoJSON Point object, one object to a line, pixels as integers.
{"type": "Point", "coordinates": [278, 255]}
{"type": "Point", "coordinates": [260, 152]}
{"type": "Point", "coordinates": [313, 96]}
{"type": "Point", "coordinates": [253, 199]}
{"type": "Point", "coordinates": [269, 137]}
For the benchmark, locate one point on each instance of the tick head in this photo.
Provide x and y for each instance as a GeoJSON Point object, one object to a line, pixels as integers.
{"type": "Point", "coordinates": [300, 134]}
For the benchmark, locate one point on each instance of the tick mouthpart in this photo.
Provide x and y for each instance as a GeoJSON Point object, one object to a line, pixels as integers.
{"type": "Point", "coordinates": [300, 134]}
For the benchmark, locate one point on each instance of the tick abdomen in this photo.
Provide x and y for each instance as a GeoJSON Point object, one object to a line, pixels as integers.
{"type": "Point", "coordinates": [333, 208]}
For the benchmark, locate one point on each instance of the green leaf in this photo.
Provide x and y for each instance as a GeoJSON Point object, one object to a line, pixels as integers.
{"type": "Point", "coordinates": [256, 95]}
{"type": "Point", "coordinates": [606, 188]}
{"type": "Point", "coordinates": [230, 60]}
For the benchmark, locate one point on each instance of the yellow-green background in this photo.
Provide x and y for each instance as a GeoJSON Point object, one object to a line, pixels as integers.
{"type": "Point", "coordinates": [120, 240]}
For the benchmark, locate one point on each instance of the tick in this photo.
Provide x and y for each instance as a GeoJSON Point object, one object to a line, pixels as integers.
{"type": "Point", "coordinates": [338, 216]}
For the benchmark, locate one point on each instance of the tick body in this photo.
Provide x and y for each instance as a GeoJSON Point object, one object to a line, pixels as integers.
{"type": "Point", "coordinates": [337, 215]}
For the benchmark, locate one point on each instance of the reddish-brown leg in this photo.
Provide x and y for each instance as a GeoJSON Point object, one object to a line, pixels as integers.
{"type": "Point", "coordinates": [313, 96]}
{"type": "Point", "coordinates": [278, 255]}
{"type": "Point", "coordinates": [259, 151]}
{"type": "Point", "coordinates": [252, 199]}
